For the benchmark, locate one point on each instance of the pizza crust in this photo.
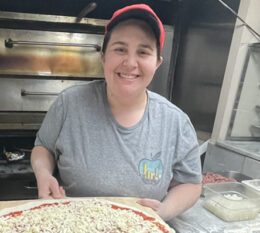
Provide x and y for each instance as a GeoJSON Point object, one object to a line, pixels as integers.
{"type": "Point", "coordinates": [91, 215]}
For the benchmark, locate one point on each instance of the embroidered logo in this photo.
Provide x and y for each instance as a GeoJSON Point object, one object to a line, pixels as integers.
{"type": "Point", "coordinates": [151, 170]}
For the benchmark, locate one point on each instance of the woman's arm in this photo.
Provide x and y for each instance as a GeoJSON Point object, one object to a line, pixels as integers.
{"type": "Point", "coordinates": [43, 165]}
{"type": "Point", "coordinates": [179, 198]}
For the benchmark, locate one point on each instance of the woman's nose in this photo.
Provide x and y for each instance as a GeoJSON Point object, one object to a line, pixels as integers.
{"type": "Point", "coordinates": [130, 60]}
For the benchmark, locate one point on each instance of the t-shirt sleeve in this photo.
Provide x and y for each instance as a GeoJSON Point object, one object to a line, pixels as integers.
{"type": "Point", "coordinates": [51, 126]}
{"type": "Point", "coordinates": [187, 166]}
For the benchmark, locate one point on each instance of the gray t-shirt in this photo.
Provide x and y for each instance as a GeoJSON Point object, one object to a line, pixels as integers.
{"type": "Point", "coordinates": [98, 157]}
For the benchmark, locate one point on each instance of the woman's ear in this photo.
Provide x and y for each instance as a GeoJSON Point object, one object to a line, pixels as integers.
{"type": "Point", "coordinates": [102, 56]}
{"type": "Point", "coordinates": [159, 62]}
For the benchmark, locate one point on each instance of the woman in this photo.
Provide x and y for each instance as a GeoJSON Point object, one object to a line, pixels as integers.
{"type": "Point", "coordinates": [116, 138]}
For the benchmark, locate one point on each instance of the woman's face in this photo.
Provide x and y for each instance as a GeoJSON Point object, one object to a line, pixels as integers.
{"type": "Point", "coordinates": [130, 59]}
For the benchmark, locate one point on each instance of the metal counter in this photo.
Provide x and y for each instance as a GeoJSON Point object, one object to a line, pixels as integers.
{"type": "Point", "coordinates": [199, 220]}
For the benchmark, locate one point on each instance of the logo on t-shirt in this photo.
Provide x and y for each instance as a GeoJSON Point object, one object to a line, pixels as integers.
{"type": "Point", "coordinates": [151, 170]}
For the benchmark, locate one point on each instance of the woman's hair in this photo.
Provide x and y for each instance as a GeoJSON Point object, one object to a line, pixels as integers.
{"type": "Point", "coordinates": [108, 36]}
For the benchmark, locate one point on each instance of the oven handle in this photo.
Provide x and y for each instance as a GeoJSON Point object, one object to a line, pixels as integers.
{"type": "Point", "coordinates": [30, 187]}
{"type": "Point", "coordinates": [31, 93]}
{"type": "Point", "coordinates": [10, 43]}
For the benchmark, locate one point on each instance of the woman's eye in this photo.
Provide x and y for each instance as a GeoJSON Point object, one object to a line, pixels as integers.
{"type": "Point", "coordinates": [120, 50]}
{"type": "Point", "coordinates": [144, 52]}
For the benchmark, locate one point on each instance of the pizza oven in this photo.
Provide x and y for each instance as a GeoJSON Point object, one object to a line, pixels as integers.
{"type": "Point", "coordinates": [41, 55]}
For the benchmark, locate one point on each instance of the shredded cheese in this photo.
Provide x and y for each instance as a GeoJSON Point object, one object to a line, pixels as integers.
{"type": "Point", "coordinates": [86, 216]}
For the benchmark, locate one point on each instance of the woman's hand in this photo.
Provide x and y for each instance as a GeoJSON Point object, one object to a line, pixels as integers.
{"type": "Point", "coordinates": [179, 198]}
{"type": "Point", "coordinates": [153, 204]}
{"type": "Point", "coordinates": [48, 188]}
{"type": "Point", "coordinates": [43, 164]}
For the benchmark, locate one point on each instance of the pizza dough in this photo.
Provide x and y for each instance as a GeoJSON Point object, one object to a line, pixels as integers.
{"type": "Point", "coordinates": [79, 216]}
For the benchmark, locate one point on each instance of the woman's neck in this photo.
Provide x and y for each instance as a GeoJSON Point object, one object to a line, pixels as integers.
{"type": "Point", "coordinates": [127, 111]}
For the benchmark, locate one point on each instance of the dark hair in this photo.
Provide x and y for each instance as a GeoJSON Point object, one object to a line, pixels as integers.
{"type": "Point", "coordinates": [108, 36]}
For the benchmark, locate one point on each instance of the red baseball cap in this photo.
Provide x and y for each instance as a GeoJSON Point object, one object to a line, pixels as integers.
{"type": "Point", "coordinates": [142, 12]}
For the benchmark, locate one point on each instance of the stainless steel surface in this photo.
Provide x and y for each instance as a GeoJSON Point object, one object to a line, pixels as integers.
{"type": "Point", "coordinates": [63, 61]}
{"type": "Point", "coordinates": [26, 93]}
{"type": "Point", "coordinates": [243, 157]}
{"type": "Point", "coordinates": [162, 82]}
{"type": "Point", "coordinates": [235, 175]}
{"type": "Point", "coordinates": [27, 17]}
{"type": "Point", "coordinates": [199, 220]}
{"type": "Point", "coordinates": [20, 120]}
{"type": "Point", "coordinates": [13, 99]}
{"type": "Point", "coordinates": [24, 102]}
{"type": "Point", "coordinates": [9, 43]}
{"type": "Point", "coordinates": [244, 124]}
{"type": "Point", "coordinates": [206, 32]}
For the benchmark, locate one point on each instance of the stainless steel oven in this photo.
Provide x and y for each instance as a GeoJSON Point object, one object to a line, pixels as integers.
{"type": "Point", "coordinates": [39, 57]}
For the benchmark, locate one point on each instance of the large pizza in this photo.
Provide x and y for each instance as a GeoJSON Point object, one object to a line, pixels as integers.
{"type": "Point", "coordinates": [79, 216]}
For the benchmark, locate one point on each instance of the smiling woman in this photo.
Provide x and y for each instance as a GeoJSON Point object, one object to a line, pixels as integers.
{"type": "Point", "coordinates": [114, 137]}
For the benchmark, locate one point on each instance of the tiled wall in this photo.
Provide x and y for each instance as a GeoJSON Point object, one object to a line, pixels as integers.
{"type": "Point", "coordinates": [247, 118]}
{"type": "Point", "coordinates": [222, 159]}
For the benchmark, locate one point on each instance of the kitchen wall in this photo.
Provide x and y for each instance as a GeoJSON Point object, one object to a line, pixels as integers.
{"type": "Point", "coordinates": [203, 35]}
{"type": "Point", "coordinates": [246, 114]}
{"type": "Point", "coordinates": [237, 155]}
{"type": "Point", "coordinates": [249, 11]}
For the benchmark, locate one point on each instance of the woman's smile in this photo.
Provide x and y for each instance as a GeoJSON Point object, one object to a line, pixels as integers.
{"type": "Point", "coordinates": [127, 76]}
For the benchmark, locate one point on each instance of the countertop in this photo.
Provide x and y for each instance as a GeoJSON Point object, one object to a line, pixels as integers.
{"type": "Point", "coordinates": [199, 220]}
{"type": "Point", "coordinates": [195, 220]}
{"type": "Point", "coordinates": [248, 148]}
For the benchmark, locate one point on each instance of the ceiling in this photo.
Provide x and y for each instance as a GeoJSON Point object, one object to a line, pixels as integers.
{"type": "Point", "coordinates": [104, 10]}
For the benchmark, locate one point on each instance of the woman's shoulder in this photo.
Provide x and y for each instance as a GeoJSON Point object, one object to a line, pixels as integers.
{"type": "Point", "coordinates": [160, 102]}
{"type": "Point", "coordinates": [169, 112]}
{"type": "Point", "coordinates": [89, 87]}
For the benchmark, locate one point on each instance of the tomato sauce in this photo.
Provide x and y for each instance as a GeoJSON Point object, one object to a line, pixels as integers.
{"type": "Point", "coordinates": [18, 213]}
{"type": "Point", "coordinates": [146, 218]}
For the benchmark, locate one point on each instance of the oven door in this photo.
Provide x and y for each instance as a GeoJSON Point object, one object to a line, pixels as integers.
{"type": "Point", "coordinates": [18, 187]}
{"type": "Point", "coordinates": [24, 102]}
